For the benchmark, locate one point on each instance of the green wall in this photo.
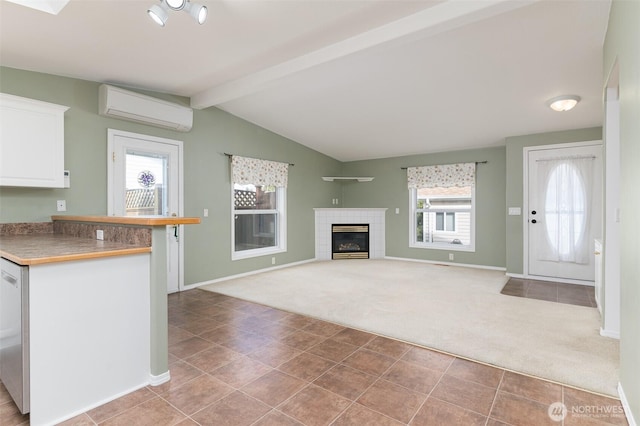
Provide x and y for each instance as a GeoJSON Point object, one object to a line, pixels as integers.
{"type": "Point", "coordinates": [206, 173]}
{"type": "Point", "coordinates": [622, 44]}
{"type": "Point", "coordinates": [514, 187]}
{"type": "Point", "coordinates": [389, 189]}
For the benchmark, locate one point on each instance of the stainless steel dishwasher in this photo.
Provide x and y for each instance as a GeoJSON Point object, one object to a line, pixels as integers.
{"type": "Point", "coordinates": [14, 332]}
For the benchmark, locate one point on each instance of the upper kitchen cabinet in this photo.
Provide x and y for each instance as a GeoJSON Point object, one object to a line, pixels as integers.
{"type": "Point", "coordinates": [31, 142]}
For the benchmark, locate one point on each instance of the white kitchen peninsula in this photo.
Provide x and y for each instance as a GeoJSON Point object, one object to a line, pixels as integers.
{"type": "Point", "coordinates": [98, 309]}
{"type": "Point", "coordinates": [88, 321]}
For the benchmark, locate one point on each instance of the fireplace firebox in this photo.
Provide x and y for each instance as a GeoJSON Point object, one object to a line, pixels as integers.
{"type": "Point", "coordinates": [350, 241]}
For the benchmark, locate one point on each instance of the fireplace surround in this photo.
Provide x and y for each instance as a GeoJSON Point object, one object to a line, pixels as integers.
{"type": "Point", "coordinates": [326, 217]}
{"type": "Point", "coordinates": [350, 241]}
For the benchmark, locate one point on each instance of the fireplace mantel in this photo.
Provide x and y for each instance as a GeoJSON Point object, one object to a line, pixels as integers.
{"type": "Point", "coordinates": [325, 217]}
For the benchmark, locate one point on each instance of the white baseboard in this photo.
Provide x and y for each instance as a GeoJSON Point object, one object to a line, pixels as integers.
{"type": "Point", "coordinates": [96, 404]}
{"type": "Point", "coordinates": [559, 280]}
{"type": "Point", "coordinates": [434, 262]}
{"type": "Point", "coordinates": [625, 405]}
{"type": "Point", "coordinates": [247, 274]}
{"type": "Point", "coordinates": [556, 280]}
{"type": "Point", "coordinates": [159, 379]}
{"type": "Point", "coordinates": [608, 333]}
{"type": "Point", "coordinates": [302, 262]}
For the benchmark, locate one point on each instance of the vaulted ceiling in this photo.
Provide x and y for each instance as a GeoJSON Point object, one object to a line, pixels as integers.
{"type": "Point", "coordinates": [351, 79]}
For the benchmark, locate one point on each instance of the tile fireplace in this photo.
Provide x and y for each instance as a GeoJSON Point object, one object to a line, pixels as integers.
{"type": "Point", "coordinates": [350, 241]}
{"type": "Point", "coordinates": [326, 218]}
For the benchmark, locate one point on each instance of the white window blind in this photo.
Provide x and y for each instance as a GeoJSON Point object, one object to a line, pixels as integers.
{"type": "Point", "coordinates": [442, 176]}
{"type": "Point", "coordinates": [254, 171]}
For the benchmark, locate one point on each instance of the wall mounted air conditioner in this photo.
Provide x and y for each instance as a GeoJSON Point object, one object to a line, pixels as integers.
{"type": "Point", "coordinates": [132, 106]}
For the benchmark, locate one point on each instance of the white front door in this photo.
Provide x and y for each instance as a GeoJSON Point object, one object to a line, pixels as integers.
{"type": "Point", "coordinates": [145, 180]}
{"type": "Point", "coordinates": [564, 203]}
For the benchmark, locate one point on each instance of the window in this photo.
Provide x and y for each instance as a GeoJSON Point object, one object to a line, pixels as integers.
{"type": "Point", "coordinates": [442, 208]}
{"type": "Point", "coordinates": [446, 221]}
{"type": "Point", "coordinates": [257, 220]}
{"type": "Point", "coordinates": [258, 216]}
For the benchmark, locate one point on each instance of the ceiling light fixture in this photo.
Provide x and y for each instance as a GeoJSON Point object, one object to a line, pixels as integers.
{"type": "Point", "coordinates": [563, 103]}
{"type": "Point", "coordinates": [160, 13]}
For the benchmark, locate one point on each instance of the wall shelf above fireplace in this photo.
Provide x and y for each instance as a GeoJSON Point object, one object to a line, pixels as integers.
{"type": "Point", "coordinates": [358, 178]}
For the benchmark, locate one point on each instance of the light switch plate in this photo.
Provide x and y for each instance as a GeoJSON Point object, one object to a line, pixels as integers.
{"type": "Point", "coordinates": [61, 205]}
{"type": "Point", "coordinates": [515, 211]}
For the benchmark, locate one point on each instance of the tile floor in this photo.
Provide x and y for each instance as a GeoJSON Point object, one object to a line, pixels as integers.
{"type": "Point", "coordinates": [572, 294]}
{"type": "Point", "coordinates": [238, 363]}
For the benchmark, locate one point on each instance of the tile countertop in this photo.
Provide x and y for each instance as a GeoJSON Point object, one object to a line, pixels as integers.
{"type": "Point", "coordinates": [36, 249]}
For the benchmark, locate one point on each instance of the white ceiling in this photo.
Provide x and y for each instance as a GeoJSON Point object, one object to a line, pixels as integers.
{"type": "Point", "coordinates": [351, 79]}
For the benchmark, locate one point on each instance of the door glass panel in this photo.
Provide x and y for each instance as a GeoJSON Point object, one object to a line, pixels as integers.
{"type": "Point", "coordinates": [565, 209]}
{"type": "Point", "coordinates": [146, 184]}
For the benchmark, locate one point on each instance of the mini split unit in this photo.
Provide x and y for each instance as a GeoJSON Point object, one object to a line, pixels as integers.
{"type": "Point", "coordinates": [132, 106]}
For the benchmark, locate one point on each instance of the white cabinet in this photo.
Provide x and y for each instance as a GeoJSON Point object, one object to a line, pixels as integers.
{"type": "Point", "coordinates": [89, 334]}
{"type": "Point", "coordinates": [31, 142]}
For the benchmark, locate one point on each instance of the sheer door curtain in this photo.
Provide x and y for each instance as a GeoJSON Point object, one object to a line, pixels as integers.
{"type": "Point", "coordinates": [566, 185]}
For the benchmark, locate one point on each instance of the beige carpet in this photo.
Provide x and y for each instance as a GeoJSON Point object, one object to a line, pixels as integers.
{"type": "Point", "coordinates": [453, 309]}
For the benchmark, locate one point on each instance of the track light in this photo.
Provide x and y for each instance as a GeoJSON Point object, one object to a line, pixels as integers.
{"type": "Point", "coordinates": [176, 4]}
{"type": "Point", "coordinates": [197, 11]}
{"type": "Point", "coordinates": [160, 13]}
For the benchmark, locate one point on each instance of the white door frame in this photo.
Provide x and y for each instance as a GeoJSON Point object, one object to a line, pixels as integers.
{"type": "Point", "coordinates": [111, 135]}
{"type": "Point", "coordinates": [525, 205]}
{"type": "Point", "coordinates": [610, 295]}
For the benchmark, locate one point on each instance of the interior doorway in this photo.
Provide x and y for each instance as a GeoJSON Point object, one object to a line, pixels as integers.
{"type": "Point", "coordinates": [145, 179]}
{"type": "Point", "coordinates": [563, 196]}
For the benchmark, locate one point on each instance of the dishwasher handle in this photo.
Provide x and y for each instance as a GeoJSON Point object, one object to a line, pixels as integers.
{"type": "Point", "coordinates": [10, 279]}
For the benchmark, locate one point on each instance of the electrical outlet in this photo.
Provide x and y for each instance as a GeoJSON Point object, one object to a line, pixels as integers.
{"type": "Point", "coordinates": [61, 205]}
{"type": "Point", "coordinates": [273, 260]}
{"type": "Point", "coordinates": [99, 234]}
{"type": "Point", "coordinates": [450, 256]}
{"type": "Point", "coordinates": [206, 213]}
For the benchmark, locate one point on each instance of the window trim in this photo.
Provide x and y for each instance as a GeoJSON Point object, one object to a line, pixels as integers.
{"type": "Point", "coordinates": [281, 224]}
{"type": "Point", "coordinates": [413, 210]}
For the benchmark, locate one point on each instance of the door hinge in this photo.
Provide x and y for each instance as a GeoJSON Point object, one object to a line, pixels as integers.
{"type": "Point", "coordinates": [113, 156]}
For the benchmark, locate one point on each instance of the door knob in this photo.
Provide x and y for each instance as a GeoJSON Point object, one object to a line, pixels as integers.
{"type": "Point", "coordinates": [533, 212]}
{"type": "Point", "coordinates": [534, 221]}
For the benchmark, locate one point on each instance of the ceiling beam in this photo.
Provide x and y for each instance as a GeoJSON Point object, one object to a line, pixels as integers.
{"type": "Point", "coordinates": [433, 20]}
{"type": "Point", "coordinates": [50, 6]}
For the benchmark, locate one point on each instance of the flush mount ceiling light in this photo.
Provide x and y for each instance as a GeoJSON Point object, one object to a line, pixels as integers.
{"type": "Point", "coordinates": [563, 103]}
{"type": "Point", "coordinates": [160, 13]}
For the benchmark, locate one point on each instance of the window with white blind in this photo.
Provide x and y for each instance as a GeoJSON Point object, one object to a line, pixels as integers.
{"type": "Point", "coordinates": [258, 207]}
{"type": "Point", "coordinates": [442, 206]}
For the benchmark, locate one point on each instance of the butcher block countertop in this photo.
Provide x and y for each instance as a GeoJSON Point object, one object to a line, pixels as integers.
{"type": "Point", "coordinates": [36, 249]}
{"type": "Point", "coordinates": [131, 220]}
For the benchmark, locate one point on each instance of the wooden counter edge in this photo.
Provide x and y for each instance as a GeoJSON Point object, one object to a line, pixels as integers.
{"type": "Point", "coordinates": [78, 256]}
{"type": "Point", "coordinates": [130, 220]}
